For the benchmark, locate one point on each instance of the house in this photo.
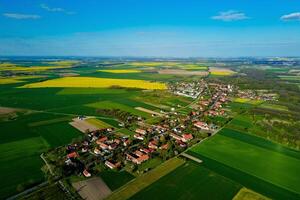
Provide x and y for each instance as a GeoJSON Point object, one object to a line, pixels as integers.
{"type": "Point", "coordinates": [186, 137]}
{"type": "Point", "coordinates": [201, 125]}
{"type": "Point", "coordinates": [112, 165]}
{"type": "Point", "coordinates": [103, 146]}
{"type": "Point", "coordinates": [138, 136]}
{"type": "Point", "coordinates": [102, 139]}
{"type": "Point", "coordinates": [97, 151]}
{"type": "Point", "coordinates": [164, 146]}
{"type": "Point", "coordinates": [73, 155]}
{"type": "Point", "coordinates": [153, 144]}
{"type": "Point", "coordinates": [141, 131]}
{"type": "Point", "coordinates": [86, 173]}
{"type": "Point", "coordinates": [176, 137]}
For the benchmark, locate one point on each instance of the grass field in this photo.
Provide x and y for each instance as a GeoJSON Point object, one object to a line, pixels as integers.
{"type": "Point", "coordinates": [145, 180]}
{"type": "Point", "coordinates": [274, 107]}
{"type": "Point", "coordinates": [90, 82]}
{"type": "Point", "coordinates": [190, 181]}
{"type": "Point", "coordinates": [255, 157]}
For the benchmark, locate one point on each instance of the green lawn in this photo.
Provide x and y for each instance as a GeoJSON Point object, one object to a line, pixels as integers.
{"type": "Point", "coordinates": [190, 181]}
{"type": "Point", "coordinates": [255, 157]}
{"type": "Point", "coordinates": [20, 164]}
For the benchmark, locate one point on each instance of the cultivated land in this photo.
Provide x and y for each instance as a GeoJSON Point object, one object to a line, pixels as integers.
{"type": "Point", "coordinates": [37, 106]}
{"type": "Point", "coordinates": [143, 181]}
{"type": "Point", "coordinates": [88, 82]}
{"type": "Point", "coordinates": [190, 181]}
{"type": "Point", "coordinates": [269, 162]}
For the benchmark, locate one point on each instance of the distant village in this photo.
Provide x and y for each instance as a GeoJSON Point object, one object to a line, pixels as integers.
{"type": "Point", "coordinates": [172, 134]}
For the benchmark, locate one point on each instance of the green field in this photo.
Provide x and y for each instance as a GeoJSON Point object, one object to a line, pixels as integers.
{"type": "Point", "coordinates": [190, 181]}
{"type": "Point", "coordinates": [145, 180]}
{"type": "Point", "coordinates": [274, 165]}
{"type": "Point", "coordinates": [20, 164]}
{"type": "Point", "coordinates": [116, 179]}
{"type": "Point", "coordinates": [21, 143]}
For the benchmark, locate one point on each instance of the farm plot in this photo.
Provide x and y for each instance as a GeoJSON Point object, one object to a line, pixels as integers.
{"type": "Point", "coordinates": [277, 167]}
{"type": "Point", "coordinates": [217, 71]}
{"type": "Point", "coordinates": [90, 82]}
{"type": "Point", "coordinates": [190, 181]}
{"type": "Point", "coordinates": [92, 189]}
{"type": "Point", "coordinates": [145, 180]}
{"type": "Point", "coordinates": [115, 179]}
{"type": "Point", "coordinates": [20, 165]}
{"type": "Point", "coordinates": [246, 194]}
{"type": "Point", "coordinates": [115, 105]}
{"type": "Point", "coordinates": [98, 123]}
{"type": "Point", "coordinates": [83, 125]}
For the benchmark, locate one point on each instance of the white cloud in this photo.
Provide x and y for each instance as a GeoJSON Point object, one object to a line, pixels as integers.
{"type": "Point", "coordinates": [21, 16]}
{"type": "Point", "coordinates": [291, 16]}
{"type": "Point", "coordinates": [50, 9]}
{"type": "Point", "coordinates": [230, 15]}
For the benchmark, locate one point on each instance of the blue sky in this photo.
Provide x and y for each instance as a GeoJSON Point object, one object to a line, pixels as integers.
{"type": "Point", "coordinates": [166, 28]}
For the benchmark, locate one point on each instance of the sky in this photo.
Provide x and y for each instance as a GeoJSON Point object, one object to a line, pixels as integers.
{"type": "Point", "coordinates": [150, 28]}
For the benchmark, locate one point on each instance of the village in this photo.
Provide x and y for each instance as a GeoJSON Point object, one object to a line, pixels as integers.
{"type": "Point", "coordinates": [172, 135]}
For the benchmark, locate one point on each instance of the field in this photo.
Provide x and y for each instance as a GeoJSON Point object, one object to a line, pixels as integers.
{"type": "Point", "coordinates": [20, 164]}
{"type": "Point", "coordinates": [275, 166]}
{"type": "Point", "coordinates": [21, 143]}
{"type": "Point", "coordinates": [246, 194]}
{"type": "Point", "coordinates": [98, 123]}
{"type": "Point", "coordinates": [116, 179]}
{"type": "Point", "coordinates": [217, 71]}
{"type": "Point", "coordinates": [145, 180]}
{"type": "Point", "coordinates": [89, 82]}
{"type": "Point", "coordinates": [120, 71]}
{"type": "Point", "coordinates": [190, 181]}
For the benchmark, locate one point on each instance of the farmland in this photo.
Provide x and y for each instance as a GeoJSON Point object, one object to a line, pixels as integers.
{"type": "Point", "coordinates": [39, 99]}
{"type": "Point", "coordinates": [268, 162]}
{"type": "Point", "coordinates": [190, 181]}
{"type": "Point", "coordinates": [88, 82]}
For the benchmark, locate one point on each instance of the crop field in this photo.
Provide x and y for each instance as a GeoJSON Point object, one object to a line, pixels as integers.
{"type": "Point", "coordinates": [116, 179]}
{"type": "Point", "coordinates": [249, 101]}
{"type": "Point", "coordinates": [270, 165]}
{"type": "Point", "coordinates": [89, 82]}
{"type": "Point", "coordinates": [21, 143]}
{"type": "Point", "coordinates": [20, 164]}
{"type": "Point", "coordinates": [246, 194]}
{"type": "Point", "coordinates": [145, 180]}
{"type": "Point", "coordinates": [16, 79]}
{"type": "Point", "coordinates": [98, 123]}
{"type": "Point", "coordinates": [190, 181]}
{"type": "Point", "coordinates": [274, 107]}
{"type": "Point", "coordinates": [216, 71]}
{"type": "Point", "coordinates": [120, 71]}
{"type": "Point", "coordinates": [57, 134]}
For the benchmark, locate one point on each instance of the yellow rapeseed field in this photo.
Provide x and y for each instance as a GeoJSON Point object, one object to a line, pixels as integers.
{"type": "Point", "coordinates": [221, 71]}
{"type": "Point", "coordinates": [120, 71]}
{"type": "Point", "coordinates": [90, 82]}
{"type": "Point", "coordinates": [153, 64]}
{"type": "Point", "coordinates": [16, 79]}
